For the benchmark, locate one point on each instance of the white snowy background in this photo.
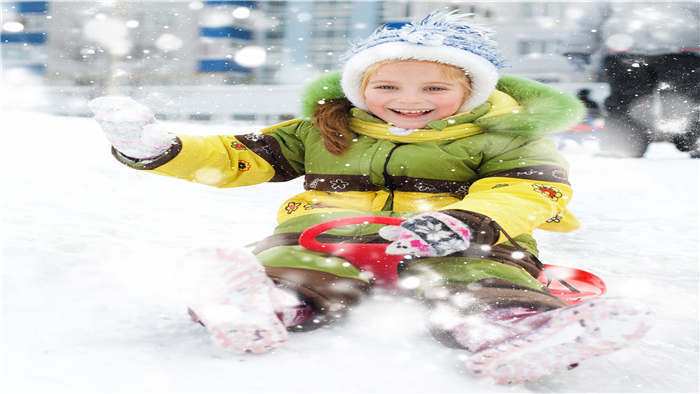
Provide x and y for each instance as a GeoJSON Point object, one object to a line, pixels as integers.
{"type": "Point", "coordinates": [98, 267]}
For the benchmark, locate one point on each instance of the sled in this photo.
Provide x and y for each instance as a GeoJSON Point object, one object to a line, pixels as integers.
{"type": "Point", "coordinates": [383, 268]}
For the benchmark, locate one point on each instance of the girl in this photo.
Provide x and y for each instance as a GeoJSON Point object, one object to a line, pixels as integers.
{"type": "Point", "coordinates": [418, 125]}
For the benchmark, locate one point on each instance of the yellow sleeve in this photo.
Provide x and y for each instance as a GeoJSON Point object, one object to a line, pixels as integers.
{"type": "Point", "coordinates": [520, 205]}
{"type": "Point", "coordinates": [220, 161]}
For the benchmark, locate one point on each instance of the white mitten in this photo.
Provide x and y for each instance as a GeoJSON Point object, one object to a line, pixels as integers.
{"type": "Point", "coordinates": [131, 127]}
{"type": "Point", "coordinates": [430, 234]}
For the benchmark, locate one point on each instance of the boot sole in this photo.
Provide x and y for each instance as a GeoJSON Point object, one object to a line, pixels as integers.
{"type": "Point", "coordinates": [244, 320]}
{"type": "Point", "coordinates": [576, 333]}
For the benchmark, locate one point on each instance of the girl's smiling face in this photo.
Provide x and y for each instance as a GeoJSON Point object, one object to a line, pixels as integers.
{"type": "Point", "coordinates": [410, 93]}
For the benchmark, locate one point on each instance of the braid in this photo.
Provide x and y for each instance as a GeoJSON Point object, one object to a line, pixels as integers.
{"type": "Point", "coordinates": [331, 119]}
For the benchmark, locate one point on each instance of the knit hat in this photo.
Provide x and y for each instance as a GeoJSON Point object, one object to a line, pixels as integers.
{"type": "Point", "coordinates": [443, 37]}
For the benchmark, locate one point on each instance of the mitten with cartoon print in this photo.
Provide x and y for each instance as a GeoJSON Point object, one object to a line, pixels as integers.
{"type": "Point", "coordinates": [431, 234]}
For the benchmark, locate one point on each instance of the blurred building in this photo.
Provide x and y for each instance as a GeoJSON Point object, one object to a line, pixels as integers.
{"type": "Point", "coordinates": [233, 42]}
{"type": "Point", "coordinates": [23, 36]}
{"type": "Point", "coordinates": [111, 45]}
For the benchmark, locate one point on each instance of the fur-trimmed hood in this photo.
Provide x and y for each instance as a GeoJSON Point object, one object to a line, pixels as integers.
{"type": "Point", "coordinates": [544, 109]}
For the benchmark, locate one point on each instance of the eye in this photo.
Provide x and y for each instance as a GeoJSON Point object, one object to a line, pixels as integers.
{"type": "Point", "coordinates": [435, 88]}
{"type": "Point", "coordinates": [387, 87]}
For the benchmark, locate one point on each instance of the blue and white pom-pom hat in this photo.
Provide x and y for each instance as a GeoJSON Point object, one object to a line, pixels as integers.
{"type": "Point", "coordinates": [443, 37]}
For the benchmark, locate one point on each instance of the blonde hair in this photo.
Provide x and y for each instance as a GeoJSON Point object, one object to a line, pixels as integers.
{"type": "Point", "coordinates": [331, 118]}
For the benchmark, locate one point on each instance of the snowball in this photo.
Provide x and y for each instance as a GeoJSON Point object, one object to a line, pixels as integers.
{"type": "Point", "coordinates": [251, 56]}
{"type": "Point", "coordinates": [241, 13]}
{"type": "Point", "coordinates": [216, 18]}
{"type": "Point", "coordinates": [168, 42]}
{"type": "Point", "coordinates": [109, 32]}
{"type": "Point", "coordinates": [13, 27]}
{"type": "Point", "coordinates": [620, 41]}
{"type": "Point", "coordinates": [196, 5]}
{"type": "Point", "coordinates": [412, 282]}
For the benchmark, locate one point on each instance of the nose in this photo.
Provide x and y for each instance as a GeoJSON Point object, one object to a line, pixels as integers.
{"type": "Point", "coordinates": [411, 97]}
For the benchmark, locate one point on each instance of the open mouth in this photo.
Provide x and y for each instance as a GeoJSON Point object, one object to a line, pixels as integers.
{"type": "Point", "coordinates": [411, 113]}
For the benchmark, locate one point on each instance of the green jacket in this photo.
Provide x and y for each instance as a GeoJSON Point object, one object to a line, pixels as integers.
{"type": "Point", "coordinates": [501, 165]}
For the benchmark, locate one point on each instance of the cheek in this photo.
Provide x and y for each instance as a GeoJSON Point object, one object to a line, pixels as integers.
{"type": "Point", "coordinates": [374, 102]}
{"type": "Point", "coordinates": [449, 102]}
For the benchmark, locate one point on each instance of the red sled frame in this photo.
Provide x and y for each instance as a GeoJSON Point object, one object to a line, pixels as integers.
{"type": "Point", "coordinates": [372, 258]}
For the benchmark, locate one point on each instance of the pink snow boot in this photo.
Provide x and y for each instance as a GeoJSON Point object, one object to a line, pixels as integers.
{"type": "Point", "coordinates": [513, 345]}
{"type": "Point", "coordinates": [251, 314]}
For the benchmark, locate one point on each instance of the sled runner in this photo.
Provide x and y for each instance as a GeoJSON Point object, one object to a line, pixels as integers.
{"type": "Point", "coordinates": [571, 285]}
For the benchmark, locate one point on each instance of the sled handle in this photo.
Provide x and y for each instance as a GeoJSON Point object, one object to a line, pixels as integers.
{"type": "Point", "coordinates": [371, 258]}
{"type": "Point", "coordinates": [308, 237]}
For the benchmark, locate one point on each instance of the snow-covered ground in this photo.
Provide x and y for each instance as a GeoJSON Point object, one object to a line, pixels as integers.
{"type": "Point", "coordinates": [96, 275]}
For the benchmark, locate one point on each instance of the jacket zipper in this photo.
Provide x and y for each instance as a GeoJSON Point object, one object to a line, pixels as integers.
{"type": "Point", "coordinates": [387, 179]}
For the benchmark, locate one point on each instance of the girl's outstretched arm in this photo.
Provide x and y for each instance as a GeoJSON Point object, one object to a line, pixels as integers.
{"type": "Point", "coordinates": [140, 142]}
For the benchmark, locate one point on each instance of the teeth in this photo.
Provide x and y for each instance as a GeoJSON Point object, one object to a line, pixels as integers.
{"type": "Point", "coordinates": [413, 112]}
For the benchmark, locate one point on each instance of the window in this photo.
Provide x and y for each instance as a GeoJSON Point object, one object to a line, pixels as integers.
{"type": "Point", "coordinates": [212, 48]}
{"type": "Point", "coordinates": [481, 11]}
{"type": "Point", "coordinates": [536, 10]}
{"type": "Point", "coordinates": [274, 34]}
{"type": "Point", "coordinates": [537, 46]}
